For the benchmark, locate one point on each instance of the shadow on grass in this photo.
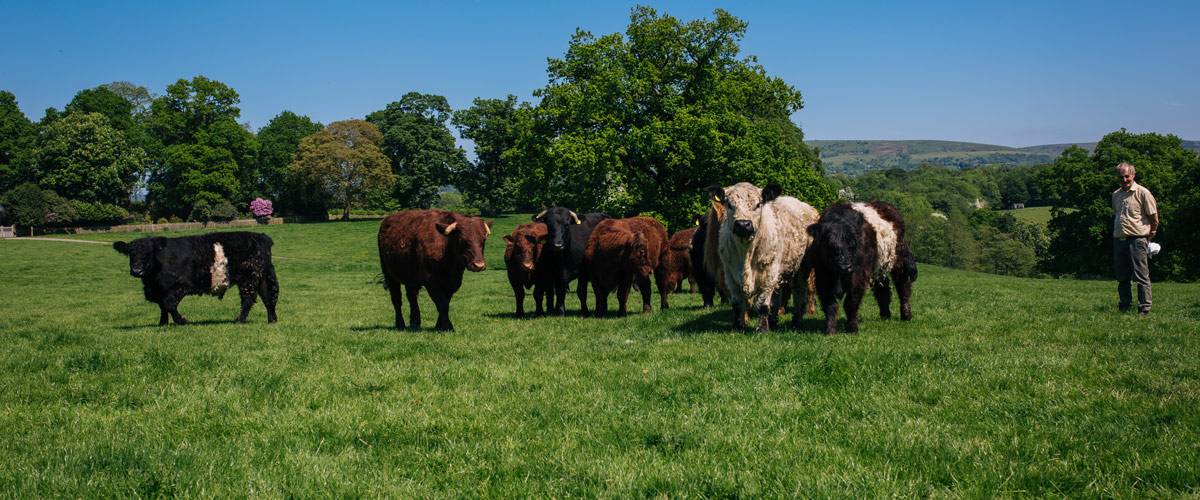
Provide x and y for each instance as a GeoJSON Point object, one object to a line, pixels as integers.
{"type": "Point", "coordinates": [190, 323]}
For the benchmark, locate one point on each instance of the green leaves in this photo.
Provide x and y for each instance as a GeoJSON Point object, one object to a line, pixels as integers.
{"type": "Point", "coordinates": [643, 122]}
{"type": "Point", "coordinates": [420, 147]}
{"type": "Point", "coordinates": [81, 156]}
{"type": "Point", "coordinates": [344, 160]}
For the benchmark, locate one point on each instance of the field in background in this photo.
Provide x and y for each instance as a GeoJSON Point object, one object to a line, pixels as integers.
{"type": "Point", "coordinates": [1000, 385]}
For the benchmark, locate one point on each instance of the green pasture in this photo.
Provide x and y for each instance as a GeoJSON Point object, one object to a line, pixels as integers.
{"type": "Point", "coordinates": [1035, 215]}
{"type": "Point", "coordinates": [1000, 386]}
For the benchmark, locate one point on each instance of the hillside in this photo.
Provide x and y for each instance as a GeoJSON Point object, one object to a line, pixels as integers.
{"type": "Point", "coordinates": [857, 156]}
{"type": "Point", "coordinates": [1007, 386]}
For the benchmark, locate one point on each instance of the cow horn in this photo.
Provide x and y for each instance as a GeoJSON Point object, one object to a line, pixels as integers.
{"type": "Point", "coordinates": [450, 229]}
{"type": "Point", "coordinates": [487, 227]}
{"type": "Point", "coordinates": [575, 217]}
{"type": "Point", "coordinates": [540, 214]}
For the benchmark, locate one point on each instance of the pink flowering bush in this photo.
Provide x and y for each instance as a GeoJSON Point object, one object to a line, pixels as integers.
{"type": "Point", "coordinates": [261, 208]}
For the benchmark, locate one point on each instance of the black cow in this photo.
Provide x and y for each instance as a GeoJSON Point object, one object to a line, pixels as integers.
{"type": "Point", "coordinates": [855, 247]}
{"type": "Point", "coordinates": [171, 268]}
{"type": "Point", "coordinates": [563, 255]}
{"type": "Point", "coordinates": [705, 281]}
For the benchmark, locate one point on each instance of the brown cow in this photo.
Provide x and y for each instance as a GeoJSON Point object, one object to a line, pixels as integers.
{"type": "Point", "coordinates": [677, 261]}
{"type": "Point", "coordinates": [431, 249]}
{"type": "Point", "coordinates": [524, 259]}
{"type": "Point", "coordinates": [621, 252]}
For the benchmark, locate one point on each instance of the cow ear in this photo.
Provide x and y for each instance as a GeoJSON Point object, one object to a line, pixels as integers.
{"type": "Point", "coordinates": [717, 193]}
{"type": "Point", "coordinates": [771, 192]}
{"type": "Point", "coordinates": [508, 238]}
{"type": "Point", "coordinates": [121, 247]}
{"type": "Point", "coordinates": [447, 229]}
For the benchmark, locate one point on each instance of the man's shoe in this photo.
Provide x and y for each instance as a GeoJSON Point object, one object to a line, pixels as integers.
{"type": "Point", "coordinates": [1144, 313]}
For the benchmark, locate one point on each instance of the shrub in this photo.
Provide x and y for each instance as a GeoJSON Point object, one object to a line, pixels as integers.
{"type": "Point", "coordinates": [29, 205]}
{"type": "Point", "coordinates": [98, 214]}
{"type": "Point", "coordinates": [224, 211]}
{"type": "Point", "coordinates": [201, 211]}
{"type": "Point", "coordinates": [261, 208]}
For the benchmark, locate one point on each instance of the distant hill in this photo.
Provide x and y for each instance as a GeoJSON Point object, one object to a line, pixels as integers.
{"type": "Point", "coordinates": [855, 157]}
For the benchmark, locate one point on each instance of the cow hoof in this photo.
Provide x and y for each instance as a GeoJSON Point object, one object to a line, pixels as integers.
{"type": "Point", "coordinates": [181, 321]}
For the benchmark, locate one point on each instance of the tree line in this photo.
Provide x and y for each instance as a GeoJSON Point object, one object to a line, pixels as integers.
{"type": "Point", "coordinates": [638, 122]}
{"type": "Point", "coordinates": [634, 122]}
{"type": "Point", "coordinates": [953, 217]}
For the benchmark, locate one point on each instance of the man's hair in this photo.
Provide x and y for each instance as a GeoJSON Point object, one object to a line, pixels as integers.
{"type": "Point", "coordinates": [1123, 166]}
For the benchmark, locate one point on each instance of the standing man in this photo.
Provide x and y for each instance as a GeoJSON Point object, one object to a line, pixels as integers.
{"type": "Point", "coordinates": [1135, 223]}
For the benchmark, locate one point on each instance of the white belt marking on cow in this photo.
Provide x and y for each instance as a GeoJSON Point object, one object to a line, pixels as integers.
{"type": "Point", "coordinates": [885, 238]}
{"type": "Point", "coordinates": [219, 270]}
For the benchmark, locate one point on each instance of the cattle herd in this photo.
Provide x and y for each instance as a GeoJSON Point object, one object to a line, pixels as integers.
{"type": "Point", "coordinates": [755, 248]}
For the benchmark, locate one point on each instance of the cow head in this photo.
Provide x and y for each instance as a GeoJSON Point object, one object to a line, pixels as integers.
{"type": "Point", "coordinates": [142, 254]}
{"type": "Point", "coordinates": [558, 221]}
{"type": "Point", "coordinates": [741, 202]}
{"type": "Point", "coordinates": [836, 244]}
{"type": "Point", "coordinates": [525, 243]}
{"type": "Point", "coordinates": [465, 239]}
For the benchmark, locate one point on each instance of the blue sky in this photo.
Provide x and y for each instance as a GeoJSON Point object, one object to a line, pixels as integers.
{"type": "Point", "coordinates": [1012, 73]}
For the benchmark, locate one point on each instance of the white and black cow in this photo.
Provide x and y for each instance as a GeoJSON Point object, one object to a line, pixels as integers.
{"type": "Point", "coordinates": [172, 268]}
{"type": "Point", "coordinates": [855, 247]}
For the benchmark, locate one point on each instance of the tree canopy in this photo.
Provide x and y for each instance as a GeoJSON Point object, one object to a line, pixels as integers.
{"type": "Point", "coordinates": [345, 160]}
{"type": "Point", "coordinates": [1081, 238]}
{"type": "Point", "coordinates": [645, 120]}
{"type": "Point", "coordinates": [17, 144]}
{"type": "Point", "coordinates": [82, 157]}
{"type": "Point", "coordinates": [493, 181]}
{"type": "Point", "coordinates": [420, 147]}
{"type": "Point", "coordinates": [279, 141]}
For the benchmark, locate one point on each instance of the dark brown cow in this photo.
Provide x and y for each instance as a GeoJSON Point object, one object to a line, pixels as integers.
{"type": "Point", "coordinates": [677, 261]}
{"type": "Point", "coordinates": [622, 252]}
{"type": "Point", "coordinates": [431, 249]}
{"type": "Point", "coordinates": [523, 258]}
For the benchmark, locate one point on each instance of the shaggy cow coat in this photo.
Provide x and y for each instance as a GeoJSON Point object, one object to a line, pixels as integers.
{"type": "Point", "coordinates": [624, 252]}
{"type": "Point", "coordinates": [677, 261]}
{"type": "Point", "coordinates": [172, 268]}
{"type": "Point", "coordinates": [763, 240]}
{"type": "Point", "coordinates": [859, 246]}
{"type": "Point", "coordinates": [566, 242]}
{"type": "Point", "coordinates": [523, 256]}
{"type": "Point", "coordinates": [429, 249]}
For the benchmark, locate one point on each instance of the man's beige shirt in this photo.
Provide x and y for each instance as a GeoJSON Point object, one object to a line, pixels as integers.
{"type": "Point", "coordinates": [1131, 211]}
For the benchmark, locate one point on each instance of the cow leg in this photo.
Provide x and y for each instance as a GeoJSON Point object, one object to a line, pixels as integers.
{"type": "Point", "coordinates": [784, 294]}
{"type": "Point", "coordinates": [883, 295]}
{"type": "Point", "coordinates": [765, 311]}
{"type": "Point", "coordinates": [801, 297]}
{"type": "Point", "coordinates": [601, 300]}
{"type": "Point", "coordinates": [665, 287]}
{"type": "Point", "coordinates": [162, 315]}
{"type": "Point", "coordinates": [853, 301]}
{"type": "Point", "coordinates": [904, 289]}
{"type": "Point", "coordinates": [397, 303]}
{"type": "Point", "coordinates": [560, 294]}
{"type": "Point", "coordinates": [539, 293]}
{"type": "Point", "coordinates": [171, 303]}
{"type": "Point", "coordinates": [248, 295]}
{"type": "Point", "coordinates": [519, 295]}
{"type": "Point", "coordinates": [441, 299]}
{"type": "Point", "coordinates": [827, 291]}
{"type": "Point", "coordinates": [643, 284]}
{"type": "Point", "coordinates": [707, 292]}
{"type": "Point", "coordinates": [268, 289]}
{"type": "Point", "coordinates": [581, 290]}
{"type": "Point", "coordinates": [412, 293]}
{"type": "Point", "coordinates": [623, 297]}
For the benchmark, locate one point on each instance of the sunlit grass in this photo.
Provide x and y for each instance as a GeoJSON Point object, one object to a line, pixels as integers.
{"type": "Point", "coordinates": [1000, 385]}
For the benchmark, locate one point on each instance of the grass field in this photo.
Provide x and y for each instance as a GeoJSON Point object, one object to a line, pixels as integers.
{"type": "Point", "coordinates": [999, 386]}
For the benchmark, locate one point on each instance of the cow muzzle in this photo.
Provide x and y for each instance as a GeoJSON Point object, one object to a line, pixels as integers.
{"type": "Point", "coordinates": [477, 266]}
{"type": "Point", "coordinates": [528, 266]}
{"type": "Point", "coordinates": [136, 272]}
{"type": "Point", "coordinates": [743, 228]}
